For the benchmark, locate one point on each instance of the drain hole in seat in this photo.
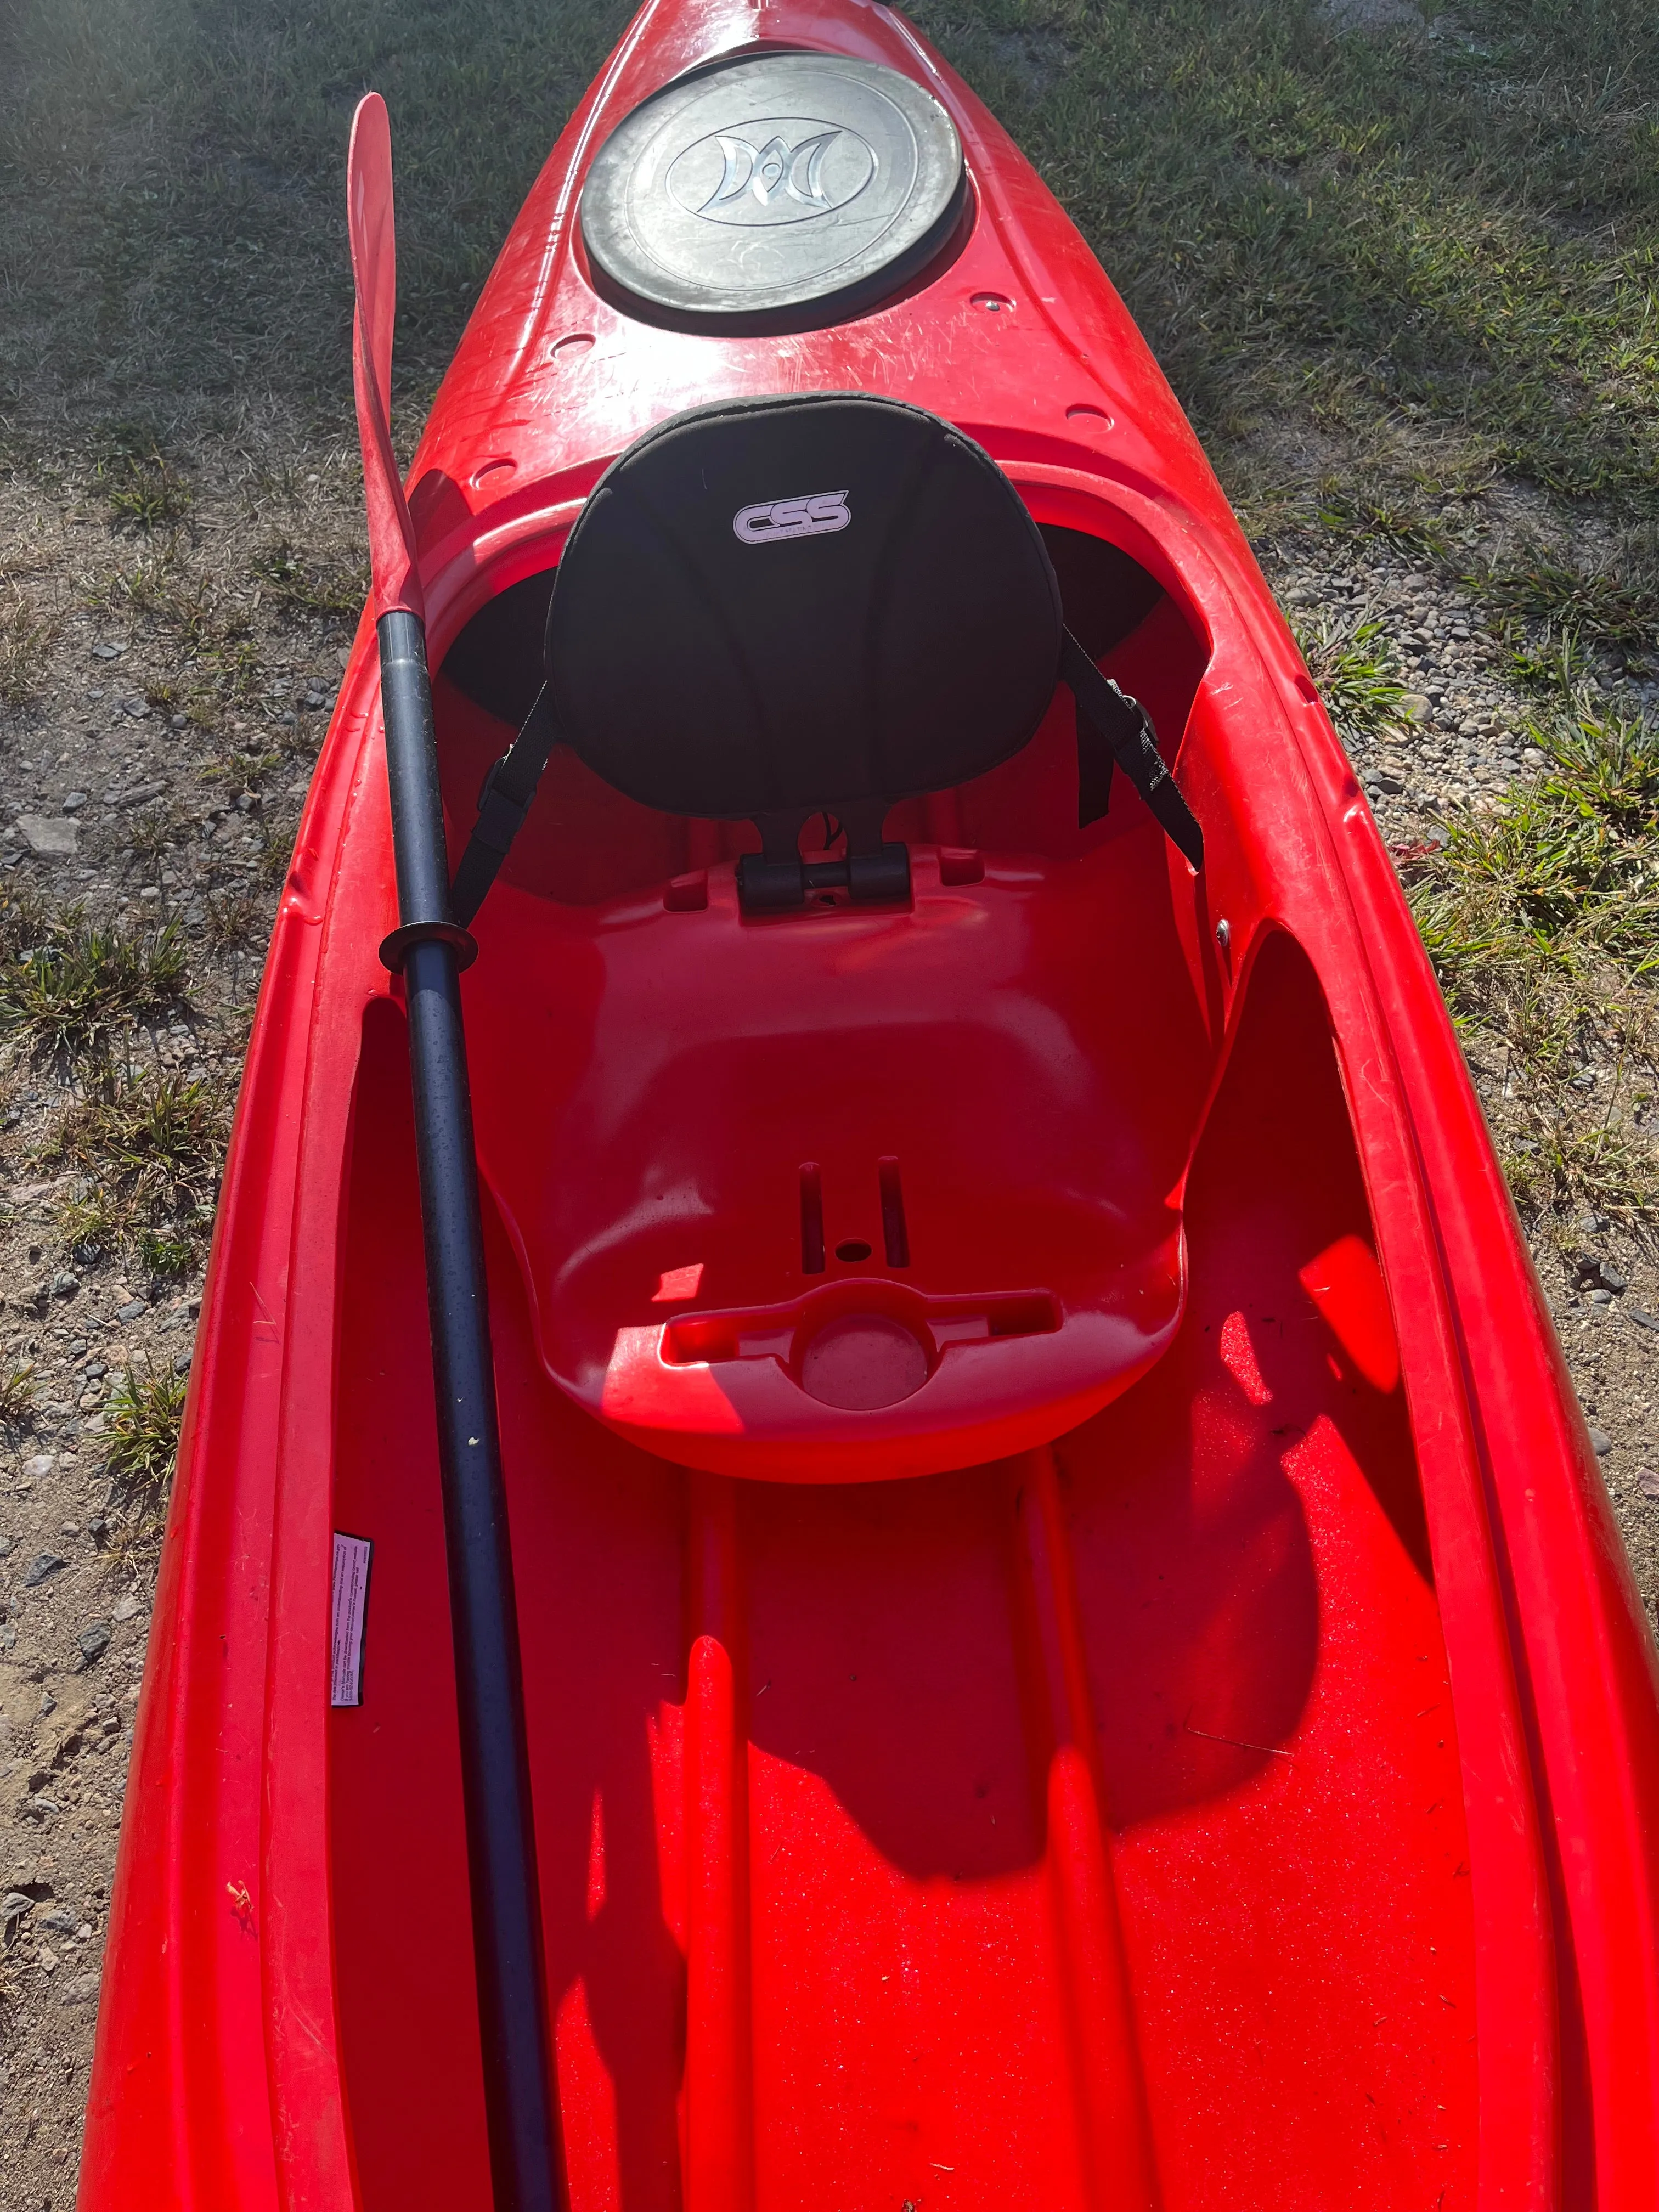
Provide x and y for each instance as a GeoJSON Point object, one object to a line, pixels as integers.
{"type": "Point", "coordinates": [863, 1362]}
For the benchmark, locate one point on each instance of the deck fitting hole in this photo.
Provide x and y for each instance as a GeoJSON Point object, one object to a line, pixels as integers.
{"type": "Point", "coordinates": [852, 1249]}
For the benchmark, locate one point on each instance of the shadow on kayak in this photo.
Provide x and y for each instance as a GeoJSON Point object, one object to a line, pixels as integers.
{"type": "Point", "coordinates": [1243, 1538]}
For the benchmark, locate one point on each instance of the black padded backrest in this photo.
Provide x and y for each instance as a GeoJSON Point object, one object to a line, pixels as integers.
{"type": "Point", "coordinates": [773, 606]}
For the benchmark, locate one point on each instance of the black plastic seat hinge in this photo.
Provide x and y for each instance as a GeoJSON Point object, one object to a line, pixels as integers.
{"type": "Point", "coordinates": [769, 883]}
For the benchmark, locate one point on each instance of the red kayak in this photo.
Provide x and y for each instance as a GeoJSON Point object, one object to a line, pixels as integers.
{"type": "Point", "coordinates": [1074, 1653]}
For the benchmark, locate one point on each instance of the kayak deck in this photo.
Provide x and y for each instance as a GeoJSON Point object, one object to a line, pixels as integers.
{"type": "Point", "coordinates": [1083, 1829]}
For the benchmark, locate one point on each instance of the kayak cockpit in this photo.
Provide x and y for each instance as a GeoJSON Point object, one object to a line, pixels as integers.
{"type": "Point", "coordinates": [1217, 1590]}
{"type": "Point", "coordinates": [848, 1156]}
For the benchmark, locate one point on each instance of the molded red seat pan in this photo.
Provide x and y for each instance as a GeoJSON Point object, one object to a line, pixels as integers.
{"type": "Point", "coordinates": [1111, 1683]}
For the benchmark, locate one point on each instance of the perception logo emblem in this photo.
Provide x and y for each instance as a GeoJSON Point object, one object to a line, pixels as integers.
{"type": "Point", "coordinates": [762, 170]}
{"type": "Point", "coordinates": [772, 520]}
{"type": "Point", "coordinates": [787, 169]}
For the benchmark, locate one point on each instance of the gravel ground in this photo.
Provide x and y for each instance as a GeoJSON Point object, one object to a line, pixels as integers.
{"type": "Point", "coordinates": [86, 777]}
{"type": "Point", "coordinates": [183, 812]}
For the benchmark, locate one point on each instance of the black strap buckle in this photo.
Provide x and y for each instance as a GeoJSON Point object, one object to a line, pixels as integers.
{"type": "Point", "coordinates": [504, 800]}
{"type": "Point", "coordinates": [1121, 725]}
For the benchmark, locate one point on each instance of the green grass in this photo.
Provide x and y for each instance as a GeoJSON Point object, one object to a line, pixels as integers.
{"type": "Point", "coordinates": [144, 1416]}
{"type": "Point", "coordinates": [155, 829]}
{"type": "Point", "coordinates": [1390, 272]}
{"type": "Point", "coordinates": [142, 488]}
{"type": "Point", "coordinates": [1615, 610]}
{"type": "Point", "coordinates": [68, 985]}
{"type": "Point", "coordinates": [1568, 871]}
{"type": "Point", "coordinates": [1353, 668]}
{"type": "Point", "coordinates": [232, 918]}
{"type": "Point", "coordinates": [160, 1124]}
{"type": "Point", "coordinates": [191, 161]}
{"type": "Point", "coordinates": [1574, 1162]}
{"type": "Point", "coordinates": [26, 641]}
{"type": "Point", "coordinates": [151, 1151]}
{"type": "Point", "coordinates": [1542, 921]}
{"type": "Point", "coordinates": [275, 851]}
{"type": "Point", "coordinates": [17, 1394]}
{"type": "Point", "coordinates": [94, 1225]}
{"type": "Point", "coordinates": [302, 582]}
{"type": "Point", "coordinates": [178, 586]}
{"type": "Point", "coordinates": [242, 771]}
{"type": "Point", "coordinates": [1432, 253]}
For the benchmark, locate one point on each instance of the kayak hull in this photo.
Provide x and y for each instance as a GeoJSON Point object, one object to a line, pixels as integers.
{"type": "Point", "coordinates": [1206, 1752]}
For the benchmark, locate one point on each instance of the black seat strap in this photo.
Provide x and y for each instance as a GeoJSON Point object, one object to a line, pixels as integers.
{"type": "Point", "coordinates": [503, 803]}
{"type": "Point", "coordinates": [1113, 727]}
{"type": "Point", "coordinates": [1110, 728]}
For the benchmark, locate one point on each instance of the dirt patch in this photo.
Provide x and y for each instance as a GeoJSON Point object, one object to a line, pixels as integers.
{"type": "Point", "coordinates": [1373, 15]}
{"type": "Point", "coordinates": [150, 780]}
{"type": "Point", "coordinates": [1036, 58]}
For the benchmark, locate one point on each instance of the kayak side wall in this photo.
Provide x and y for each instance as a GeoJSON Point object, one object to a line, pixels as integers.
{"type": "Point", "coordinates": [1586, 1667]}
{"type": "Point", "coordinates": [180, 2091]}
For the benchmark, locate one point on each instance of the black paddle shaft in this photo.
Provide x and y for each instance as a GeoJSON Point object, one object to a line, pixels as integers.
{"type": "Point", "coordinates": [495, 1766]}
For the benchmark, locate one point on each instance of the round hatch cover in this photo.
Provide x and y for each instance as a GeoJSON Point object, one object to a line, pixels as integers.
{"type": "Point", "coordinates": [773, 191]}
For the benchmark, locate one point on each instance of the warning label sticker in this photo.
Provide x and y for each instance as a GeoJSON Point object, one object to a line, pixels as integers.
{"type": "Point", "coordinates": [351, 1557]}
